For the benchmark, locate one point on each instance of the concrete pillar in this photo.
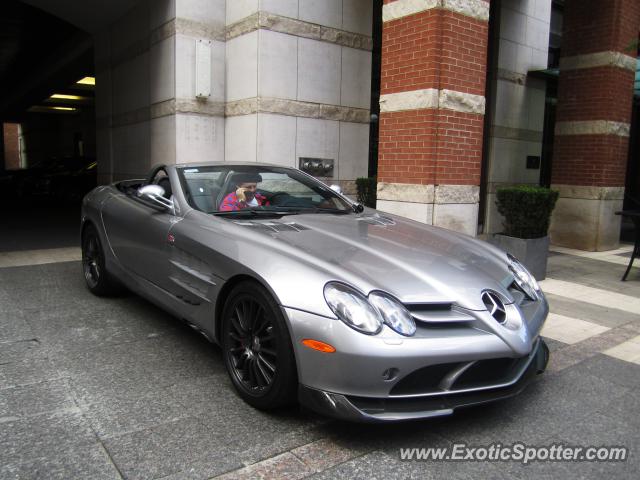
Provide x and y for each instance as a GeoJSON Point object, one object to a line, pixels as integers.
{"type": "Point", "coordinates": [299, 83]}
{"type": "Point", "coordinates": [518, 100]}
{"type": "Point", "coordinates": [432, 109]}
{"type": "Point", "coordinates": [146, 107]}
{"type": "Point", "coordinates": [595, 94]}
{"type": "Point", "coordinates": [287, 79]}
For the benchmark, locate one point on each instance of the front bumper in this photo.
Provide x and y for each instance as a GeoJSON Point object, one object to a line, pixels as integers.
{"type": "Point", "coordinates": [435, 404]}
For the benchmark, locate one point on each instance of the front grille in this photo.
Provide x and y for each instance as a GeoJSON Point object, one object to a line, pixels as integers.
{"type": "Point", "coordinates": [423, 380]}
{"type": "Point", "coordinates": [481, 373]}
{"type": "Point", "coordinates": [486, 372]}
{"type": "Point", "coordinates": [437, 314]}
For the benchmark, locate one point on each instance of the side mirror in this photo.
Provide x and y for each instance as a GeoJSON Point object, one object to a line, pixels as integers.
{"type": "Point", "coordinates": [155, 195]}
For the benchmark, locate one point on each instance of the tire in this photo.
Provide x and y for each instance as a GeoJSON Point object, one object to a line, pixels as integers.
{"type": "Point", "coordinates": [96, 276]}
{"type": "Point", "coordinates": [257, 349]}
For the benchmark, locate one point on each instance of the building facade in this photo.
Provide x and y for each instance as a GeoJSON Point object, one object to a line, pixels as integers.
{"type": "Point", "coordinates": [282, 80]}
{"type": "Point", "coordinates": [448, 139]}
{"type": "Point", "coordinates": [443, 100]}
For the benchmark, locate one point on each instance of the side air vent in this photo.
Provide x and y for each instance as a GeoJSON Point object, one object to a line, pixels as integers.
{"type": "Point", "coordinates": [438, 313]}
{"type": "Point", "coordinates": [519, 295]}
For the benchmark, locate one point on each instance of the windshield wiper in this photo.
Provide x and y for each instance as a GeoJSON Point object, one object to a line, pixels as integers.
{"type": "Point", "coordinates": [331, 210]}
{"type": "Point", "coordinates": [254, 213]}
{"type": "Point", "coordinates": [315, 210]}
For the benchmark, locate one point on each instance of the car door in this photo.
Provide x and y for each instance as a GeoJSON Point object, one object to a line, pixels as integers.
{"type": "Point", "coordinates": [138, 235]}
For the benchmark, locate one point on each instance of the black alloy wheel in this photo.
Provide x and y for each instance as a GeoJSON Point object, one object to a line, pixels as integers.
{"type": "Point", "coordinates": [90, 261]}
{"type": "Point", "coordinates": [257, 348]}
{"type": "Point", "coordinates": [98, 280]}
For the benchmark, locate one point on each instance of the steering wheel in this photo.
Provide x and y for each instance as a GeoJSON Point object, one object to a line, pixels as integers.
{"type": "Point", "coordinates": [282, 196]}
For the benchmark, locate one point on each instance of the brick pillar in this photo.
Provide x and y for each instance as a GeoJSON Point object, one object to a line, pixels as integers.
{"type": "Point", "coordinates": [595, 94]}
{"type": "Point", "coordinates": [432, 109]}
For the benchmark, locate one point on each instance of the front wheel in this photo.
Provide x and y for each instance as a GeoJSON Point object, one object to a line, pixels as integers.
{"type": "Point", "coordinates": [257, 348]}
{"type": "Point", "coordinates": [98, 280]}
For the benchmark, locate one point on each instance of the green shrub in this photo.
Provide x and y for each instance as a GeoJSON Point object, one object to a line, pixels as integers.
{"type": "Point", "coordinates": [367, 191]}
{"type": "Point", "coordinates": [526, 210]}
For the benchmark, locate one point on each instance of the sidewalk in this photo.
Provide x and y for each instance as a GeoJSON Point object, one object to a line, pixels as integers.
{"type": "Point", "coordinates": [116, 388]}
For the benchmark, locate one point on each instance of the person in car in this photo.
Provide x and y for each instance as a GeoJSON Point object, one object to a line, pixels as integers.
{"type": "Point", "coordinates": [245, 195]}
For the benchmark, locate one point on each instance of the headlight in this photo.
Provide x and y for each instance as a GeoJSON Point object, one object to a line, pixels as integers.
{"type": "Point", "coordinates": [523, 278]}
{"type": "Point", "coordinates": [352, 308]}
{"type": "Point", "coordinates": [394, 313]}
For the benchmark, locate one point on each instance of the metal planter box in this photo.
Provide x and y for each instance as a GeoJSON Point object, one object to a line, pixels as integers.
{"type": "Point", "coordinates": [532, 252]}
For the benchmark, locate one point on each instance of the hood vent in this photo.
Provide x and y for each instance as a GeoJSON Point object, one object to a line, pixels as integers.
{"type": "Point", "coordinates": [274, 226]}
{"type": "Point", "coordinates": [377, 220]}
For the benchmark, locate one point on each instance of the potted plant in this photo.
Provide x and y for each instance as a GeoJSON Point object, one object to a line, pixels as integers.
{"type": "Point", "coordinates": [527, 213]}
{"type": "Point", "coordinates": [367, 191]}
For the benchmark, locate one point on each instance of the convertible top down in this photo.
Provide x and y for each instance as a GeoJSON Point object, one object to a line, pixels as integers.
{"type": "Point", "coordinates": [355, 313]}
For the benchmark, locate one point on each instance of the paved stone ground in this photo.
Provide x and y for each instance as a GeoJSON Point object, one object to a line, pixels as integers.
{"type": "Point", "coordinates": [116, 388]}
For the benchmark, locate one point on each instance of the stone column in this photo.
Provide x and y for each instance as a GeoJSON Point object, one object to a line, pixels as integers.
{"type": "Point", "coordinates": [432, 109]}
{"type": "Point", "coordinates": [146, 106]}
{"type": "Point", "coordinates": [298, 83]}
{"type": "Point", "coordinates": [287, 79]}
{"type": "Point", "coordinates": [595, 94]}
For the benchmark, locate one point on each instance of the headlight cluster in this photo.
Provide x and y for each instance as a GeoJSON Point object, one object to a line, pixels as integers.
{"type": "Point", "coordinates": [368, 314]}
{"type": "Point", "coordinates": [523, 278]}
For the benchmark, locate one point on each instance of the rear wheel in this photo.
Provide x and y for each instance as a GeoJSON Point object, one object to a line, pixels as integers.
{"type": "Point", "coordinates": [257, 348]}
{"type": "Point", "coordinates": [98, 280]}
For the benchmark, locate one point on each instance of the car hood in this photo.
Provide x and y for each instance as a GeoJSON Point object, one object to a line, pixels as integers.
{"type": "Point", "coordinates": [415, 262]}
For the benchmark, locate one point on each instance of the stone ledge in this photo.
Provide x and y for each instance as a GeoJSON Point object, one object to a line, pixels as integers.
{"type": "Point", "coordinates": [296, 108]}
{"type": "Point", "coordinates": [163, 32]}
{"type": "Point", "coordinates": [461, 102]}
{"type": "Point", "coordinates": [412, 100]}
{"type": "Point", "coordinates": [188, 105]}
{"type": "Point", "coordinates": [477, 9]}
{"type": "Point", "coordinates": [432, 98]}
{"type": "Point", "coordinates": [599, 59]}
{"type": "Point", "coordinates": [589, 192]}
{"type": "Point", "coordinates": [511, 76]}
{"type": "Point", "coordinates": [436, 194]}
{"type": "Point", "coordinates": [509, 133]}
{"type": "Point", "coordinates": [162, 109]}
{"type": "Point", "coordinates": [193, 28]}
{"type": "Point", "coordinates": [406, 192]}
{"type": "Point", "coordinates": [593, 127]}
{"type": "Point", "coordinates": [457, 194]}
{"type": "Point", "coordinates": [298, 28]}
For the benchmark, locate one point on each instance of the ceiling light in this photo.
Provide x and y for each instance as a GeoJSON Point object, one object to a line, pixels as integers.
{"type": "Point", "coordinates": [87, 81]}
{"type": "Point", "coordinates": [51, 109]}
{"type": "Point", "coordinates": [61, 96]}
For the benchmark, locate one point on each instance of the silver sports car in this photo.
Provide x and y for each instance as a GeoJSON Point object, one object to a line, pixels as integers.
{"type": "Point", "coordinates": [355, 313]}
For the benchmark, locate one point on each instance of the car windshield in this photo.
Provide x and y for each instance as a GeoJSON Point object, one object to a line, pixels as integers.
{"type": "Point", "coordinates": [257, 190]}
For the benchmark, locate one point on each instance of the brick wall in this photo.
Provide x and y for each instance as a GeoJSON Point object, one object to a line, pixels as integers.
{"type": "Point", "coordinates": [434, 49]}
{"type": "Point", "coordinates": [442, 50]}
{"type": "Point", "coordinates": [597, 93]}
{"type": "Point", "coordinates": [595, 160]}
{"type": "Point", "coordinates": [591, 26]}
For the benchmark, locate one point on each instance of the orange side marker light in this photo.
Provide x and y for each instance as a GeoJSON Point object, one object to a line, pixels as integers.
{"type": "Point", "coordinates": [318, 345]}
